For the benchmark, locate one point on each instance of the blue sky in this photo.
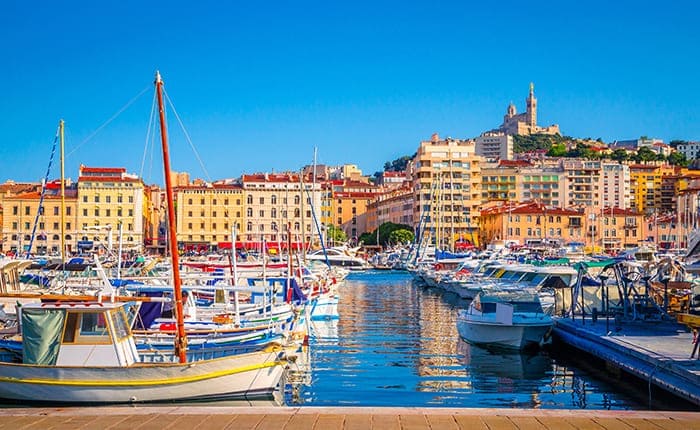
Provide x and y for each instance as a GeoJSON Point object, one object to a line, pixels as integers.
{"type": "Point", "coordinates": [258, 85]}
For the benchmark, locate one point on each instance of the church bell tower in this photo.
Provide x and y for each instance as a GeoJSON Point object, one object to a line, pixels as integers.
{"type": "Point", "coordinates": [531, 104]}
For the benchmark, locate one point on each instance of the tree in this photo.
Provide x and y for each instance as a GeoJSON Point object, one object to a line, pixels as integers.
{"type": "Point", "coordinates": [678, 159]}
{"type": "Point", "coordinates": [645, 154]}
{"type": "Point", "coordinates": [557, 150]}
{"type": "Point", "coordinates": [620, 155]}
{"type": "Point", "coordinates": [401, 236]}
{"type": "Point", "coordinates": [385, 231]}
{"type": "Point", "coordinates": [336, 234]}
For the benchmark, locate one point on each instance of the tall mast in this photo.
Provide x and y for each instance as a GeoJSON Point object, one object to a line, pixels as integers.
{"type": "Point", "coordinates": [63, 198]}
{"type": "Point", "coordinates": [180, 340]}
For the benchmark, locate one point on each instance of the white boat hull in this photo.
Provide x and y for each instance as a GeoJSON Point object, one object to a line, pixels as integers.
{"type": "Point", "coordinates": [247, 375]}
{"type": "Point", "coordinates": [325, 308]}
{"type": "Point", "coordinates": [503, 336]}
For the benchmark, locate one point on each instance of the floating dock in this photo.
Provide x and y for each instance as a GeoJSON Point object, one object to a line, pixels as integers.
{"type": "Point", "coordinates": [267, 418]}
{"type": "Point", "coordinates": [655, 351]}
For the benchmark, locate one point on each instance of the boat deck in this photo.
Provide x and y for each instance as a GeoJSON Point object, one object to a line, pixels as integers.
{"type": "Point", "coordinates": [653, 351]}
{"type": "Point", "coordinates": [272, 418]}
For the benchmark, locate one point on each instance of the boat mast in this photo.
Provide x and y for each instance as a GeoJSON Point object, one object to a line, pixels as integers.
{"type": "Point", "coordinates": [63, 198]}
{"type": "Point", "coordinates": [180, 339]}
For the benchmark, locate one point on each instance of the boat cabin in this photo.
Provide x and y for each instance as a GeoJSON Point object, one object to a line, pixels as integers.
{"type": "Point", "coordinates": [77, 334]}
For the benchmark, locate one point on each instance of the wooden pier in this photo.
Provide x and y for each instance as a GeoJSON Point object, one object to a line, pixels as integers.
{"type": "Point", "coordinates": [657, 352]}
{"type": "Point", "coordinates": [269, 418]}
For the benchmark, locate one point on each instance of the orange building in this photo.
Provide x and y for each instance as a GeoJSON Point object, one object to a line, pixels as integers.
{"type": "Point", "coordinates": [531, 222]}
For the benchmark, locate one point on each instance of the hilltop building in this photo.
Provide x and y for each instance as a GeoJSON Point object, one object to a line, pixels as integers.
{"type": "Point", "coordinates": [524, 123]}
{"type": "Point", "coordinates": [494, 146]}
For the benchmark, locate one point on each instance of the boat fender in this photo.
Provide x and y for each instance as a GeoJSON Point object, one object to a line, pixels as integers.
{"type": "Point", "coordinates": [438, 266]}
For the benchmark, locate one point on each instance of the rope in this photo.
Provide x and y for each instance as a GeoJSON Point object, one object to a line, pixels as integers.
{"type": "Point", "coordinates": [187, 136]}
{"type": "Point", "coordinates": [149, 129]}
{"type": "Point", "coordinates": [106, 123]}
{"type": "Point", "coordinates": [43, 192]}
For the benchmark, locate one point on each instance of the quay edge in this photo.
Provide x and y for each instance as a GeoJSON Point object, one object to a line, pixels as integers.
{"type": "Point", "coordinates": [666, 366]}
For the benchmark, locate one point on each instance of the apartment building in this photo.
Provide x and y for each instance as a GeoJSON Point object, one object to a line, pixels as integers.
{"type": "Point", "coordinates": [24, 224]}
{"type": "Point", "coordinates": [206, 215]}
{"type": "Point", "coordinates": [108, 197]}
{"type": "Point", "coordinates": [446, 182]}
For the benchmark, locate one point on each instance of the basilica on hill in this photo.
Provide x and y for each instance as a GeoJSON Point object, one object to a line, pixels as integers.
{"type": "Point", "coordinates": [525, 123]}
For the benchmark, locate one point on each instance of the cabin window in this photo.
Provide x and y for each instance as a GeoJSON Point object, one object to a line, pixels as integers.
{"type": "Point", "coordinates": [86, 327]}
{"type": "Point", "coordinates": [121, 329]}
{"type": "Point", "coordinates": [488, 308]}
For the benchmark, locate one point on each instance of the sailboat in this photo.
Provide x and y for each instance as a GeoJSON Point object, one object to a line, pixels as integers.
{"type": "Point", "coordinates": [84, 351]}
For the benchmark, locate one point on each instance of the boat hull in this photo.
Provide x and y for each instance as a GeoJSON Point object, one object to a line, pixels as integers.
{"type": "Point", "coordinates": [497, 335]}
{"type": "Point", "coordinates": [254, 375]}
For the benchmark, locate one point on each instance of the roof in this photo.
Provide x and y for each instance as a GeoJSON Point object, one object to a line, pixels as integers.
{"type": "Point", "coordinates": [514, 163]}
{"type": "Point", "coordinates": [530, 207]}
{"type": "Point", "coordinates": [85, 169]}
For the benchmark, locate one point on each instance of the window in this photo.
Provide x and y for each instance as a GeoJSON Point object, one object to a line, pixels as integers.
{"type": "Point", "coordinates": [55, 226]}
{"type": "Point", "coordinates": [273, 199]}
{"type": "Point", "coordinates": [55, 210]}
{"type": "Point", "coordinates": [97, 198]}
{"type": "Point", "coordinates": [249, 212]}
{"type": "Point", "coordinates": [119, 199]}
{"type": "Point", "coordinates": [86, 327]}
{"type": "Point", "coordinates": [261, 213]}
{"type": "Point", "coordinates": [273, 213]}
{"type": "Point", "coordinates": [250, 199]}
{"type": "Point", "coordinates": [201, 201]}
{"type": "Point", "coordinates": [131, 212]}
{"type": "Point", "coordinates": [296, 200]}
{"type": "Point", "coordinates": [213, 202]}
{"type": "Point", "coordinates": [68, 210]}
{"type": "Point", "coordinates": [108, 212]}
{"type": "Point", "coordinates": [84, 199]}
{"type": "Point", "coordinates": [108, 199]}
{"type": "Point", "coordinates": [14, 225]}
{"type": "Point", "coordinates": [119, 212]}
{"type": "Point", "coordinates": [67, 226]}
{"type": "Point", "coordinates": [189, 201]}
{"type": "Point", "coordinates": [97, 212]}
{"type": "Point", "coordinates": [213, 214]}
{"type": "Point", "coordinates": [262, 200]}
{"type": "Point", "coordinates": [85, 212]}
{"type": "Point", "coordinates": [27, 210]}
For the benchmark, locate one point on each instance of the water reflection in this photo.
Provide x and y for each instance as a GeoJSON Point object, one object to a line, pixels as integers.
{"type": "Point", "coordinates": [396, 344]}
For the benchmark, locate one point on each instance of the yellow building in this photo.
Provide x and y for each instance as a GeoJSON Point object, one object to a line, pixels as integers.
{"type": "Point", "coordinates": [108, 197]}
{"type": "Point", "coordinates": [20, 214]}
{"type": "Point", "coordinates": [205, 215]}
{"type": "Point", "coordinates": [649, 194]}
{"type": "Point", "coordinates": [531, 223]}
{"type": "Point", "coordinates": [446, 178]}
{"type": "Point", "coordinates": [615, 229]}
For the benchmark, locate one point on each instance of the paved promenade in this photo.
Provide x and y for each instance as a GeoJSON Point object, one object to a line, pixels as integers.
{"type": "Point", "coordinates": [271, 418]}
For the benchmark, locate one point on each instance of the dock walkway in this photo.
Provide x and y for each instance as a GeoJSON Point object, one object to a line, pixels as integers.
{"type": "Point", "coordinates": [270, 418]}
{"type": "Point", "coordinates": [658, 352]}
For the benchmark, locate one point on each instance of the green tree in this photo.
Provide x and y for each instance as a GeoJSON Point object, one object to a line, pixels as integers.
{"type": "Point", "coordinates": [557, 150]}
{"type": "Point", "coordinates": [335, 234]}
{"type": "Point", "coordinates": [385, 230]}
{"type": "Point", "coordinates": [645, 154]}
{"type": "Point", "coordinates": [401, 236]}
{"type": "Point", "coordinates": [678, 159]}
{"type": "Point", "coordinates": [620, 155]}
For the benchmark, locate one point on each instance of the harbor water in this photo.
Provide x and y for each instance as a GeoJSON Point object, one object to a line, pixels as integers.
{"type": "Point", "coordinates": [396, 344]}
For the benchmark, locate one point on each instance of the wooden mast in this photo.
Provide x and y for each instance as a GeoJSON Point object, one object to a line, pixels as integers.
{"type": "Point", "coordinates": [180, 339]}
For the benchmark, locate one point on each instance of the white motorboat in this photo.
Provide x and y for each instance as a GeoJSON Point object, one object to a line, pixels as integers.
{"type": "Point", "coordinates": [339, 256]}
{"type": "Point", "coordinates": [506, 318]}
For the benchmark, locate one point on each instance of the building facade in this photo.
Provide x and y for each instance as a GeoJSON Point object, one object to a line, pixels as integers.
{"type": "Point", "coordinates": [26, 228]}
{"type": "Point", "coordinates": [446, 176]}
{"type": "Point", "coordinates": [108, 197]}
{"type": "Point", "coordinates": [206, 215]}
